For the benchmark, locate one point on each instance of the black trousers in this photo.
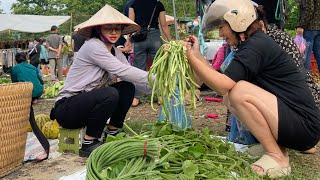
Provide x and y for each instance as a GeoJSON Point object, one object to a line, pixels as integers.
{"type": "Point", "coordinates": [93, 109]}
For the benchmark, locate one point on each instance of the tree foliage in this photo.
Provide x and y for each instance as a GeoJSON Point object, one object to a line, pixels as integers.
{"type": "Point", "coordinates": [292, 14]}
{"type": "Point", "coordinates": [82, 9]}
{"type": "Point", "coordinates": [38, 7]}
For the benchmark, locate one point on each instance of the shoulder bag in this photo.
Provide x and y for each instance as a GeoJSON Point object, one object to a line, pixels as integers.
{"type": "Point", "coordinates": [143, 33]}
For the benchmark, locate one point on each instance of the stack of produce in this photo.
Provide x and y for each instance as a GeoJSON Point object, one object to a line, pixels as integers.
{"type": "Point", "coordinates": [48, 127]}
{"type": "Point", "coordinates": [162, 153]}
{"type": "Point", "coordinates": [4, 80]}
{"type": "Point", "coordinates": [52, 91]}
{"type": "Point", "coordinates": [51, 129]}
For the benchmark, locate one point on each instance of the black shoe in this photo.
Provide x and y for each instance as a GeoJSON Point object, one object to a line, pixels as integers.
{"type": "Point", "coordinates": [107, 132]}
{"type": "Point", "coordinates": [88, 146]}
{"type": "Point", "coordinates": [112, 132]}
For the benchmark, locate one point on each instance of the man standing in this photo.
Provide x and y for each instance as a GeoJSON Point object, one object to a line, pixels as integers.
{"type": "Point", "coordinates": [78, 41]}
{"type": "Point", "coordinates": [310, 22]}
{"type": "Point", "coordinates": [127, 6]}
{"type": "Point", "coordinates": [270, 7]}
{"type": "Point", "coordinates": [54, 45]}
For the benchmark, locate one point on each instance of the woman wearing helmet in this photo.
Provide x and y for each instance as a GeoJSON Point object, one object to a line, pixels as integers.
{"type": "Point", "coordinates": [261, 86]}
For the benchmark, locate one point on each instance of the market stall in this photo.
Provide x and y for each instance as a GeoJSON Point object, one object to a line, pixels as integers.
{"type": "Point", "coordinates": [24, 23]}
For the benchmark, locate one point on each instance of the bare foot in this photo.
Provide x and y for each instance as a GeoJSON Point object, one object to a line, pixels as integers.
{"type": "Point", "coordinates": [87, 137]}
{"type": "Point", "coordinates": [311, 151]}
{"type": "Point", "coordinates": [135, 102]}
{"type": "Point", "coordinates": [112, 128]}
{"type": "Point", "coordinates": [35, 101]}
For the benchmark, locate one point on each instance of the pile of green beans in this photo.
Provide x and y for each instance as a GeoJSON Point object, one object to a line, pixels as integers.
{"type": "Point", "coordinates": [123, 159]}
{"type": "Point", "coordinates": [171, 76]}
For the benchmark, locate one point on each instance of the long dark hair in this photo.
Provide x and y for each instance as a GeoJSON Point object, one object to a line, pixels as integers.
{"type": "Point", "coordinates": [96, 31]}
{"type": "Point", "coordinates": [20, 57]}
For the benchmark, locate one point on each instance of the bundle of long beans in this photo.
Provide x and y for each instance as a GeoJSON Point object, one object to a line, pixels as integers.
{"type": "Point", "coordinates": [174, 77]}
{"type": "Point", "coordinates": [124, 159]}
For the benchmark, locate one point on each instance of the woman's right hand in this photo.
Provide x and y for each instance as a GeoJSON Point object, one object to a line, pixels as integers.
{"type": "Point", "coordinates": [192, 47]}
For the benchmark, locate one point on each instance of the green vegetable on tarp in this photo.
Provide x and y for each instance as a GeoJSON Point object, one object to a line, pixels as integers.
{"type": "Point", "coordinates": [185, 155]}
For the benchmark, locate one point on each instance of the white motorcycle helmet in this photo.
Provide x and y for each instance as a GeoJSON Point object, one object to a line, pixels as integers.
{"type": "Point", "coordinates": [240, 14]}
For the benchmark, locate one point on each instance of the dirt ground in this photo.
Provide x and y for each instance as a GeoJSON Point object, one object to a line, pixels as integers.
{"type": "Point", "coordinates": [304, 166]}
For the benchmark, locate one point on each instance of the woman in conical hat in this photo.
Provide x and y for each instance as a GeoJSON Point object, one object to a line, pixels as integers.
{"type": "Point", "coordinates": [261, 86]}
{"type": "Point", "coordinates": [100, 83]}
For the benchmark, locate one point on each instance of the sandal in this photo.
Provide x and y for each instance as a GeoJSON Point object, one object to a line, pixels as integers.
{"type": "Point", "coordinates": [271, 167]}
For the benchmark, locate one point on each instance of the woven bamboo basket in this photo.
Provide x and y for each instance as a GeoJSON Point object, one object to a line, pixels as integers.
{"type": "Point", "coordinates": [15, 101]}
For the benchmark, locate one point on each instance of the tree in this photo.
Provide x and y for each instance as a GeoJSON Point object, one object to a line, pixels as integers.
{"type": "Point", "coordinates": [81, 10]}
{"type": "Point", "coordinates": [292, 14]}
{"type": "Point", "coordinates": [38, 7]}
{"type": "Point", "coordinates": [184, 8]}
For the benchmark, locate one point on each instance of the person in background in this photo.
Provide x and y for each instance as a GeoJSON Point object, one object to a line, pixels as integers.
{"type": "Point", "coordinates": [261, 86]}
{"type": "Point", "coordinates": [220, 56]}
{"type": "Point", "coordinates": [54, 45]}
{"type": "Point", "coordinates": [125, 47]}
{"type": "Point", "coordinates": [272, 11]}
{"type": "Point", "coordinates": [141, 12]}
{"type": "Point", "coordinates": [44, 57]}
{"type": "Point", "coordinates": [24, 72]}
{"type": "Point", "coordinates": [287, 44]}
{"type": "Point", "coordinates": [300, 41]}
{"type": "Point", "coordinates": [34, 53]}
{"type": "Point", "coordinates": [100, 83]}
{"type": "Point", "coordinates": [78, 41]}
{"type": "Point", "coordinates": [30, 44]}
{"type": "Point", "coordinates": [124, 44]}
{"type": "Point", "coordinates": [66, 51]}
{"type": "Point", "coordinates": [309, 21]}
{"type": "Point", "coordinates": [128, 4]}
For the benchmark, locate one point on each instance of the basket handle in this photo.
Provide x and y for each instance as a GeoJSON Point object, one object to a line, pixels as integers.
{"type": "Point", "coordinates": [40, 136]}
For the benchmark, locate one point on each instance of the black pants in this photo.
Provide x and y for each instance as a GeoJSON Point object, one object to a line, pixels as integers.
{"type": "Point", "coordinates": [93, 109]}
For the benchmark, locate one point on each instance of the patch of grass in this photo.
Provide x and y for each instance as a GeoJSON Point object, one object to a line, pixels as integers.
{"type": "Point", "coordinates": [304, 166]}
{"type": "Point", "coordinates": [138, 126]}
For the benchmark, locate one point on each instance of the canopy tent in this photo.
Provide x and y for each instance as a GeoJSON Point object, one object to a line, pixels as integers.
{"type": "Point", "coordinates": [30, 23]}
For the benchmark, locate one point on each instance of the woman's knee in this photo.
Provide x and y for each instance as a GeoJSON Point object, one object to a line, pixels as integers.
{"type": "Point", "coordinates": [127, 87]}
{"type": "Point", "coordinates": [110, 94]}
{"type": "Point", "coordinates": [238, 94]}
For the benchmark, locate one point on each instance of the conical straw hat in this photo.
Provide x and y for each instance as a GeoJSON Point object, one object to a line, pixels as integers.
{"type": "Point", "coordinates": [107, 15]}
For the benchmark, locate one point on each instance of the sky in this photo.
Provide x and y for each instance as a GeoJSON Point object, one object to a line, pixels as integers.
{"type": "Point", "coordinates": [6, 5]}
